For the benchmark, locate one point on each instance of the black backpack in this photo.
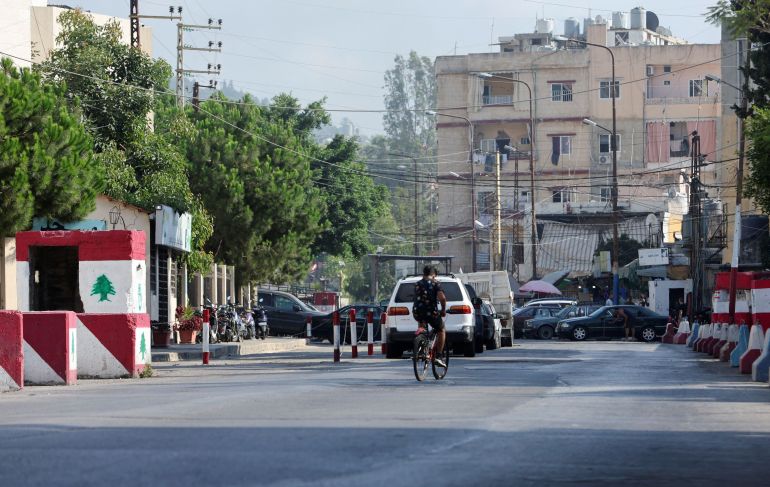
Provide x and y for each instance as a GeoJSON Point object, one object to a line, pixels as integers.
{"type": "Point", "coordinates": [425, 299]}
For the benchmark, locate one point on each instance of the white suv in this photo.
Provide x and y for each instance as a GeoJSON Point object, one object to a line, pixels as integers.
{"type": "Point", "coordinates": [459, 321]}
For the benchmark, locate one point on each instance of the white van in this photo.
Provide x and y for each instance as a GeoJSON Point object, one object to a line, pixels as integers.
{"type": "Point", "coordinates": [459, 321]}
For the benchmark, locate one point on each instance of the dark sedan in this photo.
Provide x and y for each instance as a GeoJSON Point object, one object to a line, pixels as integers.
{"type": "Point", "coordinates": [545, 327]}
{"type": "Point", "coordinates": [605, 323]}
{"type": "Point", "coordinates": [322, 326]}
{"type": "Point", "coordinates": [286, 314]}
{"type": "Point", "coordinates": [521, 315]}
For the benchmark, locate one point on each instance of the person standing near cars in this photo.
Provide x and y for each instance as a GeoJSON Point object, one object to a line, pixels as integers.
{"type": "Point", "coordinates": [427, 295]}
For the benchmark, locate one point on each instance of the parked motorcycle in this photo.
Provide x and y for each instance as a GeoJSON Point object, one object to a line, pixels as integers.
{"type": "Point", "coordinates": [260, 317]}
{"type": "Point", "coordinates": [248, 331]}
{"type": "Point", "coordinates": [213, 338]}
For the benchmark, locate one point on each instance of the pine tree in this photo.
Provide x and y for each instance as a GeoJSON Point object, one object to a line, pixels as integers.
{"type": "Point", "coordinates": [103, 287]}
{"type": "Point", "coordinates": [143, 346]}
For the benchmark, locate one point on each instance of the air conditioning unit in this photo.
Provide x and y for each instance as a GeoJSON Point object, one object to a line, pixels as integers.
{"type": "Point", "coordinates": [603, 159]}
{"type": "Point", "coordinates": [650, 70]}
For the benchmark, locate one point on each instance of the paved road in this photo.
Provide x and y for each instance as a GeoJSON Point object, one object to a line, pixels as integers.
{"type": "Point", "coordinates": [542, 413]}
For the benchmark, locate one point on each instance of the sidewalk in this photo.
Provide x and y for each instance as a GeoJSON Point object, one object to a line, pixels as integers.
{"type": "Point", "coordinates": [177, 353]}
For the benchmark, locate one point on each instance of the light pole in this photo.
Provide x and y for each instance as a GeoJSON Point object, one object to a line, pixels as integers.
{"type": "Point", "coordinates": [738, 189]}
{"type": "Point", "coordinates": [473, 180]}
{"type": "Point", "coordinates": [416, 222]}
{"type": "Point", "coordinates": [531, 168]}
{"type": "Point", "coordinates": [614, 148]}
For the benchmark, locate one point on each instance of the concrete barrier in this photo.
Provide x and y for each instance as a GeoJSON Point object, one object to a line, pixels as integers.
{"type": "Point", "coordinates": [716, 334]}
{"type": "Point", "coordinates": [683, 333]}
{"type": "Point", "coordinates": [11, 351]}
{"type": "Point", "coordinates": [113, 345]}
{"type": "Point", "coordinates": [721, 341]}
{"type": "Point", "coordinates": [705, 336]}
{"type": "Point", "coordinates": [50, 348]}
{"type": "Point", "coordinates": [668, 336]}
{"type": "Point", "coordinates": [759, 369]}
{"type": "Point", "coordinates": [696, 328]}
{"type": "Point", "coordinates": [754, 350]}
{"type": "Point", "coordinates": [741, 346]}
{"type": "Point", "coordinates": [732, 341]}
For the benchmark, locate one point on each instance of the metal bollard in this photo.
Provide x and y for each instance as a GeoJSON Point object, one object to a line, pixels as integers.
{"type": "Point", "coordinates": [206, 333]}
{"type": "Point", "coordinates": [336, 326]}
{"type": "Point", "coordinates": [309, 322]}
{"type": "Point", "coordinates": [383, 334]}
{"type": "Point", "coordinates": [353, 334]}
{"type": "Point", "coordinates": [370, 333]}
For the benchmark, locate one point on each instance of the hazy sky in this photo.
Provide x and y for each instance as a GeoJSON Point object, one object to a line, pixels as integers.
{"type": "Point", "coordinates": [341, 48]}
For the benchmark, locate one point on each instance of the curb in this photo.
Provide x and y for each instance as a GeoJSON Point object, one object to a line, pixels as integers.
{"type": "Point", "coordinates": [195, 352]}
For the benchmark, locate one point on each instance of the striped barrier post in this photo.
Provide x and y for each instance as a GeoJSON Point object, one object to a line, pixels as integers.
{"type": "Point", "coordinates": [370, 333]}
{"type": "Point", "coordinates": [741, 347]}
{"type": "Point", "coordinates": [50, 348]}
{"type": "Point", "coordinates": [206, 334]}
{"type": "Point", "coordinates": [696, 327]}
{"type": "Point", "coordinates": [336, 326]}
{"type": "Point", "coordinates": [756, 339]}
{"type": "Point", "coordinates": [715, 334]}
{"type": "Point", "coordinates": [759, 369]}
{"type": "Point", "coordinates": [717, 348]}
{"type": "Point", "coordinates": [732, 341]}
{"type": "Point", "coordinates": [683, 333]}
{"type": "Point", "coordinates": [309, 332]}
{"type": "Point", "coordinates": [702, 337]}
{"type": "Point", "coordinates": [383, 334]}
{"type": "Point", "coordinates": [353, 333]}
{"type": "Point", "coordinates": [11, 351]}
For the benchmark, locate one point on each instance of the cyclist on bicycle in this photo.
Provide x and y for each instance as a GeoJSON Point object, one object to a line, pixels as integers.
{"type": "Point", "coordinates": [427, 295]}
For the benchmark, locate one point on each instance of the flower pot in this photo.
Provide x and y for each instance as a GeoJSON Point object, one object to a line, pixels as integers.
{"type": "Point", "coordinates": [187, 336]}
{"type": "Point", "coordinates": [161, 338]}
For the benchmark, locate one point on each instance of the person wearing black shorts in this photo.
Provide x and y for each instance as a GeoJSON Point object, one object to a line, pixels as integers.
{"type": "Point", "coordinates": [427, 295]}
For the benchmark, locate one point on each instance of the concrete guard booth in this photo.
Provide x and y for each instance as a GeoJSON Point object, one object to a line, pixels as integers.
{"type": "Point", "coordinates": [100, 275]}
{"type": "Point", "coordinates": [172, 236]}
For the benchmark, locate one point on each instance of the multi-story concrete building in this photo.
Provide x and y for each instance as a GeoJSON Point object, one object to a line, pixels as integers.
{"type": "Point", "coordinates": [662, 97]}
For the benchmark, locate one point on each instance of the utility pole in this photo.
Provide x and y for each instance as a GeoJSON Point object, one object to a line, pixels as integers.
{"type": "Point", "coordinates": [498, 253]}
{"type": "Point", "coordinates": [196, 100]}
{"type": "Point", "coordinates": [696, 271]}
{"type": "Point", "coordinates": [515, 233]}
{"type": "Point", "coordinates": [181, 48]}
{"type": "Point", "coordinates": [134, 16]}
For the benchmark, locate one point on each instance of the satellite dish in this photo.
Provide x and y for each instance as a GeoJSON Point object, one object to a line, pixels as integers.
{"type": "Point", "coordinates": [651, 221]}
{"type": "Point", "coordinates": [652, 21]}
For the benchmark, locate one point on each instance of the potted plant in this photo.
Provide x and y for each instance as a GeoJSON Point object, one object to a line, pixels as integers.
{"type": "Point", "coordinates": [161, 335]}
{"type": "Point", "coordinates": [188, 324]}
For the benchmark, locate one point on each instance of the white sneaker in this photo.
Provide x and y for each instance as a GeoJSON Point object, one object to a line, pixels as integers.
{"type": "Point", "coordinates": [439, 362]}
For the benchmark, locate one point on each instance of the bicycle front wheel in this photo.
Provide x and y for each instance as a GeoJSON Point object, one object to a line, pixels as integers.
{"type": "Point", "coordinates": [439, 372]}
{"type": "Point", "coordinates": [420, 357]}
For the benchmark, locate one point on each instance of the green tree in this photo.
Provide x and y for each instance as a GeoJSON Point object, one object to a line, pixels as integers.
{"type": "Point", "coordinates": [46, 159]}
{"type": "Point", "coordinates": [103, 287]}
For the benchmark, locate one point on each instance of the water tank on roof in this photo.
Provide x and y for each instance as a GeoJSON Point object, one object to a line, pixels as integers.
{"type": "Point", "coordinates": [599, 20]}
{"type": "Point", "coordinates": [638, 18]}
{"type": "Point", "coordinates": [652, 20]}
{"type": "Point", "coordinates": [619, 20]}
{"type": "Point", "coordinates": [544, 26]}
{"type": "Point", "coordinates": [571, 28]}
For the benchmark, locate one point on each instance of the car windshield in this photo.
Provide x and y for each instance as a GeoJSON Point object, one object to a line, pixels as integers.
{"type": "Point", "coordinates": [599, 312]}
{"type": "Point", "coordinates": [566, 311]}
{"type": "Point", "coordinates": [451, 290]}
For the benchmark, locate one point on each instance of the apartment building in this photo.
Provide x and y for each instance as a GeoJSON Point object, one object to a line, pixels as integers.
{"type": "Point", "coordinates": [662, 96]}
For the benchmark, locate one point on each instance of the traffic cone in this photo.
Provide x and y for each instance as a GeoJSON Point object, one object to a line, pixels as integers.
{"type": "Point", "coordinates": [732, 341]}
{"type": "Point", "coordinates": [756, 341]}
{"type": "Point", "coordinates": [741, 346]}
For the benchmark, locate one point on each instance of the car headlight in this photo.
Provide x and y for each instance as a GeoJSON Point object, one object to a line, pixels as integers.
{"type": "Point", "coordinates": [563, 325]}
{"type": "Point", "coordinates": [467, 330]}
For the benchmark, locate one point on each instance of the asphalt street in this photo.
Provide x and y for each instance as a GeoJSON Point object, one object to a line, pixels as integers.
{"type": "Point", "coordinates": [541, 413]}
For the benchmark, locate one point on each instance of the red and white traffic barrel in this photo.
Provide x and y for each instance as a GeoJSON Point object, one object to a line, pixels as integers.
{"type": "Point", "coordinates": [336, 326]}
{"type": "Point", "coordinates": [383, 334]}
{"type": "Point", "coordinates": [353, 333]}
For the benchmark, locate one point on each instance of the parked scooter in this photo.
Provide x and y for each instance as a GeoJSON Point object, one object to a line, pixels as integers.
{"type": "Point", "coordinates": [213, 338]}
{"type": "Point", "coordinates": [248, 331]}
{"type": "Point", "coordinates": [230, 325]}
{"type": "Point", "coordinates": [260, 317]}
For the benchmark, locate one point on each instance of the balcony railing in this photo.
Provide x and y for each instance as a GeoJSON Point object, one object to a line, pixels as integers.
{"type": "Point", "coordinates": [497, 99]}
{"type": "Point", "coordinates": [683, 100]}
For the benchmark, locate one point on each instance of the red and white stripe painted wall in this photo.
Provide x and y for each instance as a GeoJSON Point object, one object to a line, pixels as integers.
{"type": "Point", "coordinates": [11, 351]}
{"type": "Point", "coordinates": [50, 348]}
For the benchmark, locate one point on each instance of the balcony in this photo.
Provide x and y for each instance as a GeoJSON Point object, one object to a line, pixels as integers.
{"type": "Point", "coordinates": [497, 100]}
{"type": "Point", "coordinates": [683, 100]}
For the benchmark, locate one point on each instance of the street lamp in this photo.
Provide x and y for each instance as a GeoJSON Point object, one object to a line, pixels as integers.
{"type": "Point", "coordinates": [614, 148]}
{"type": "Point", "coordinates": [473, 179]}
{"type": "Point", "coordinates": [531, 166]}
{"type": "Point", "coordinates": [416, 223]}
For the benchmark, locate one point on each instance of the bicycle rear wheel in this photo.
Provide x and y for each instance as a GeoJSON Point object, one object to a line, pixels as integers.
{"type": "Point", "coordinates": [420, 357]}
{"type": "Point", "coordinates": [438, 371]}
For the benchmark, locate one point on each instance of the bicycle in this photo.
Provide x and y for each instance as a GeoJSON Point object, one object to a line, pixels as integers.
{"type": "Point", "coordinates": [425, 352]}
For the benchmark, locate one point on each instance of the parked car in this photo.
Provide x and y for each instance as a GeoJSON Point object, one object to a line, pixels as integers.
{"type": "Point", "coordinates": [603, 323]}
{"type": "Point", "coordinates": [559, 302]}
{"type": "Point", "coordinates": [544, 327]}
{"type": "Point", "coordinates": [482, 333]}
{"type": "Point", "coordinates": [286, 314]}
{"type": "Point", "coordinates": [459, 321]}
{"type": "Point", "coordinates": [493, 327]}
{"type": "Point", "coordinates": [522, 315]}
{"type": "Point", "coordinates": [323, 326]}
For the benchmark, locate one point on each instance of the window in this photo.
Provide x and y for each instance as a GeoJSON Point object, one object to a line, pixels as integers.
{"type": "Point", "coordinates": [486, 202]}
{"type": "Point", "coordinates": [561, 195]}
{"type": "Point", "coordinates": [666, 69]}
{"type": "Point", "coordinates": [605, 89]}
{"type": "Point", "coordinates": [283, 303]}
{"type": "Point", "coordinates": [523, 196]}
{"type": "Point", "coordinates": [536, 42]}
{"type": "Point", "coordinates": [605, 193]}
{"type": "Point", "coordinates": [561, 92]}
{"type": "Point", "coordinates": [562, 144]}
{"type": "Point", "coordinates": [666, 83]}
{"type": "Point", "coordinates": [604, 143]}
{"type": "Point", "coordinates": [524, 141]}
{"type": "Point", "coordinates": [697, 88]}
